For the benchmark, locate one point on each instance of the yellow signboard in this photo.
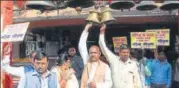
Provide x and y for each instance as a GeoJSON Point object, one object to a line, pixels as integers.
{"type": "Point", "coordinates": [143, 40]}
{"type": "Point", "coordinates": [163, 36]}
{"type": "Point", "coordinates": [117, 41]}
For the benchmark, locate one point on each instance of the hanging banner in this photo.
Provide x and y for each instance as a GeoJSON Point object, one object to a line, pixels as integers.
{"type": "Point", "coordinates": [163, 36]}
{"type": "Point", "coordinates": [143, 40]}
{"type": "Point", "coordinates": [117, 41]}
{"type": "Point", "coordinates": [14, 32]}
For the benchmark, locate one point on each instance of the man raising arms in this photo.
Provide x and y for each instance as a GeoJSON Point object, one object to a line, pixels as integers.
{"type": "Point", "coordinates": [96, 74]}
{"type": "Point", "coordinates": [123, 70]}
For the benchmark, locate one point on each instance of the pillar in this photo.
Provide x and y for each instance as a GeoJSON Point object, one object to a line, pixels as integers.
{"type": "Point", "coordinates": [6, 18]}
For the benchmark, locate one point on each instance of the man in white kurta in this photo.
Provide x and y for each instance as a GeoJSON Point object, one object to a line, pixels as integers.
{"type": "Point", "coordinates": [124, 71]}
{"type": "Point", "coordinates": [93, 64]}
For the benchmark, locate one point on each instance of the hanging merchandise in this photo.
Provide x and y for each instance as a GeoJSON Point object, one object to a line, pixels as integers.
{"type": "Point", "coordinates": [170, 5]}
{"type": "Point", "coordinates": [122, 4]}
{"type": "Point", "coordinates": [146, 5]}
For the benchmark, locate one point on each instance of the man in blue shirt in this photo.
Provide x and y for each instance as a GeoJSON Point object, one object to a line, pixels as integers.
{"type": "Point", "coordinates": [41, 77]}
{"type": "Point", "coordinates": [161, 72]}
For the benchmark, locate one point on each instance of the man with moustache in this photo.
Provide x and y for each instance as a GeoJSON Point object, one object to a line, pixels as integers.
{"type": "Point", "coordinates": [124, 71]}
{"type": "Point", "coordinates": [96, 74]}
{"type": "Point", "coordinates": [41, 77]}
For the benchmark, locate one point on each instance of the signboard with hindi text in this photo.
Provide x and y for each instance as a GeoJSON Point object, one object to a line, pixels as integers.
{"type": "Point", "coordinates": [117, 41]}
{"type": "Point", "coordinates": [143, 40]}
{"type": "Point", "coordinates": [163, 36]}
{"type": "Point", "coordinates": [14, 32]}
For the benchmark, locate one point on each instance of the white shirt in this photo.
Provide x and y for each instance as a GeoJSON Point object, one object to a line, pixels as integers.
{"type": "Point", "coordinates": [125, 75]}
{"type": "Point", "coordinates": [44, 82]}
{"type": "Point", "coordinates": [93, 71]}
{"type": "Point", "coordinates": [85, 56]}
{"type": "Point", "coordinates": [16, 71]}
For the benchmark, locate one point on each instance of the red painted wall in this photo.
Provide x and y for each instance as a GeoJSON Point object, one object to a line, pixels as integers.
{"type": "Point", "coordinates": [7, 15]}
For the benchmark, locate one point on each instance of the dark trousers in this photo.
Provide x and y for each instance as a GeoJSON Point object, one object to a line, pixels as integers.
{"type": "Point", "coordinates": [175, 84]}
{"type": "Point", "coordinates": [154, 85]}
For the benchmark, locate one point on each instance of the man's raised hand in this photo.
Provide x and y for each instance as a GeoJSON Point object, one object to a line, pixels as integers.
{"type": "Point", "coordinates": [7, 49]}
{"type": "Point", "coordinates": [88, 26]}
{"type": "Point", "coordinates": [103, 28]}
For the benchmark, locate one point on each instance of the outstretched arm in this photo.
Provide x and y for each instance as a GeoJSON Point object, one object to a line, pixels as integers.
{"type": "Point", "coordinates": [82, 44]}
{"type": "Point", "coordinates": [110, 56]}
{"type": "Point", "coordinates": [16, 71]}
{"type": "Point", "coordinates": [5, 63]}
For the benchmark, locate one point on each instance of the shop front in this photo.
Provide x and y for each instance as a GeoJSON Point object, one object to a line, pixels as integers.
{"type": "Point", "coordinates": [53, 30]}
{"type": "Point", "coordinates": [49, 31]}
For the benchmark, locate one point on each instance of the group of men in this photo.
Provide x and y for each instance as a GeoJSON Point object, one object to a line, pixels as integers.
{"type": "Point", "coordinates": [92, 72]}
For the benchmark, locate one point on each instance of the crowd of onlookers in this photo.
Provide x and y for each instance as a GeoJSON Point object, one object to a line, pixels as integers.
{"type": "Point", "coordinates": [98, 67]}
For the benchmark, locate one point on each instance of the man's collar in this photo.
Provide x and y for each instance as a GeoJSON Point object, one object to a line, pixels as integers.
{"type": "Point", "coordinates": [35, 73]}
{"type": "Point", "coordinates": [129, 61]}
{"type": "Point", "coordinates": [99, 62]}
{"type": "Point", "coordinates": [165, 61]}
{"type": "Point", "coordinates": [126, 62]}
{"type": "Point", "coordinates": [31, 65]}
{"type": "Point", "coordinates": [73, 56]}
